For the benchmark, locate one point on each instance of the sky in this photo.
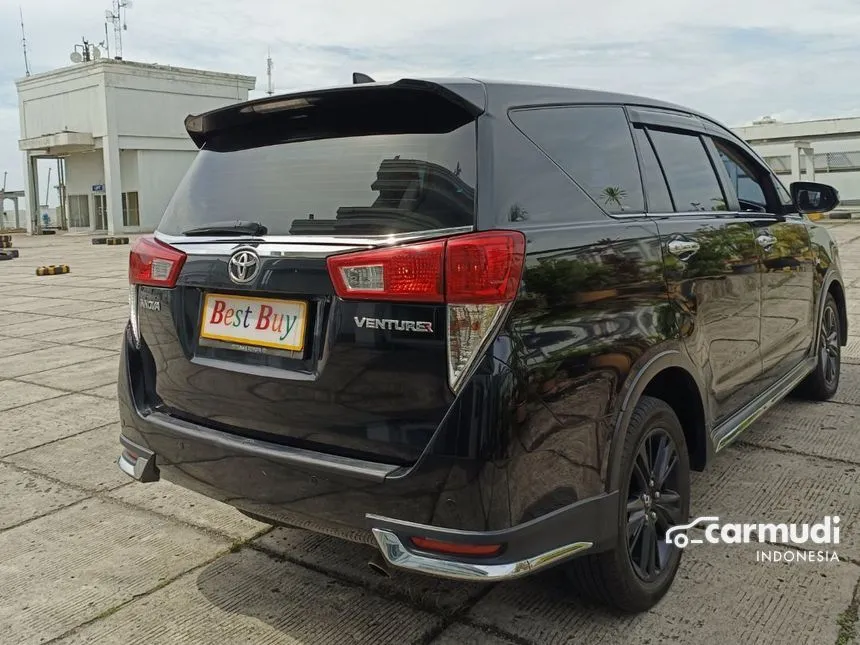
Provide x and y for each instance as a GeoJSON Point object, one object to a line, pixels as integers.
{"type": "Point", "coordinates": [736, 60]}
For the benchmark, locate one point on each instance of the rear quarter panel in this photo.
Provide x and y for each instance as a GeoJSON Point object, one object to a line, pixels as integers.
{"type": "Point", "coordinates": [592, 310]}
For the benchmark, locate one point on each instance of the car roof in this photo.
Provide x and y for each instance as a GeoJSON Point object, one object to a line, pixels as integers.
{"type": "Point", "coordinates": [502, 95]}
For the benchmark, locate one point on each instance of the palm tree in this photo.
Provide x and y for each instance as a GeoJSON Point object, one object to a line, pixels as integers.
{"type": "Point", "coordinates": [613, 194]}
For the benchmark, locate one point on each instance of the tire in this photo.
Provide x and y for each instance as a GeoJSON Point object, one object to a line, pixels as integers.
{"type": "Point", "coordinates": [615, 577]}
{"type": "Point", "coordinates": [823, 382]}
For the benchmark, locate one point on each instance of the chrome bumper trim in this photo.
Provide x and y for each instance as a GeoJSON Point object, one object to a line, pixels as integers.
{"type": "Point", "coordinates": [135, 469]}
{"type": "Point", "coordinates": [126, 466]}
{"type": "Point", "coordinates": [397, 555]}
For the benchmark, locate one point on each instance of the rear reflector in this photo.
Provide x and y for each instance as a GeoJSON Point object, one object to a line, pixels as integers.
{"type": "Point", "coordinates": [452, 548]}
{"type": "Point", "coordinates": [154, 263]}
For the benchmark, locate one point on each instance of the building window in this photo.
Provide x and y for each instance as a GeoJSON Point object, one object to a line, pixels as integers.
{"type": "Point", "coordinates": [79, 211]}
{"type": "Point", "coordinates": [130, 209]}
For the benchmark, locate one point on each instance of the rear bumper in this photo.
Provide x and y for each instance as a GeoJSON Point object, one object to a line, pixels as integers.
{"type": "Point", "coordinates": [436, 499]}
{"type": "Point", "coordinates": [525, 549]}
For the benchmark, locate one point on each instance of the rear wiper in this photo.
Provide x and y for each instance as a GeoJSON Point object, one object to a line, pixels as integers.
{"type": "Point", "coordinates": [228, 228]}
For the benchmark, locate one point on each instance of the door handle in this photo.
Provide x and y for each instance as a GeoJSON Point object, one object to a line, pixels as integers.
{"type": "Point", "coordinates": [765, 241]}
{"type": "Point", "coordinates": [683, 247]}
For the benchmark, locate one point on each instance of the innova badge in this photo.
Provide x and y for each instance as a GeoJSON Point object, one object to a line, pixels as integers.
{"type": "Point", "coordinates": [244, 265]}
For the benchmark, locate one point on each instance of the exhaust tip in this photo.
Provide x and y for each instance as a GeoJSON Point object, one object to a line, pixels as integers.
{"type": "Point", "coordinates": [379, 566]}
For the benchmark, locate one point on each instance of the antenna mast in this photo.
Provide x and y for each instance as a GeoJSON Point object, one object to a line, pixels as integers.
{"type": "Point", "coordinates": [116, 16]}
{"type": "Point", "coordinates": [24, 43]}
{"type": "Point", "coordinates": [269, 67]}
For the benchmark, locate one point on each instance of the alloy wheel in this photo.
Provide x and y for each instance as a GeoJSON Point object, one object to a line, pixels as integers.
{"type": "Point", "coordinates": [829, 345]}
{"type": "Point", "coordinates": [653, 504]}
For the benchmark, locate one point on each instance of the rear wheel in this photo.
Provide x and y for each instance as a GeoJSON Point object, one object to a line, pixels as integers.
{"type": "Point", "coordinates": [823, 382]}
{"type": "Point", "coordinates": [655, 496]}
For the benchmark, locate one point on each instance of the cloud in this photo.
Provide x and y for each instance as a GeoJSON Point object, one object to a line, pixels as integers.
{"type": "Point", "coordinates": [736, 60]}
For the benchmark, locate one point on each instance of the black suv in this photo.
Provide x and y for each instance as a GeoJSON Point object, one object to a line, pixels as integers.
{"type": "Point", "coordinates": [487, 328]}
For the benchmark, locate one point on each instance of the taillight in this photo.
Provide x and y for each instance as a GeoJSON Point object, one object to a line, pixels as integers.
{"type": "Point", "coordinates": [484, 268]}
{"type": "Point", "coordinates": [477, 275]}
{"type": "Point", "coordinates": [412, 273]}
{"type": "Point", "coordinates": [154, 264]}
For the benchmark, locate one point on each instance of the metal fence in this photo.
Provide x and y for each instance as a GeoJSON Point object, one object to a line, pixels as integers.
{"type": "Point", "coordinates": [823, 162]}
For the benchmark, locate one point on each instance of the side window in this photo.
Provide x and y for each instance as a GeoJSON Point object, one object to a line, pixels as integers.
{"type": "Point", "coordinates": [692, 179]}
{"type": "Point", "coordinates": [593, 145]}
{"type": "Point", "coordinates": [657, 195]}
{"type": "Point", "coordinates": [744, 178]}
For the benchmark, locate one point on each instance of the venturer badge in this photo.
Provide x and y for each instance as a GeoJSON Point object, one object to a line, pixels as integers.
{"type": "Point", "coordinates": [394, 325]}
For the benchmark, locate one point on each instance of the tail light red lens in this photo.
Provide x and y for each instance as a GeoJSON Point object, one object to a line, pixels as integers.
{"type": "Point", "coordinates": [154, 263]}
{"type": "Point", "coordinates": [480, 268]}
{"type": "Point", "coordinates": [412, 273]}
{"type": "Point", "coordinates": [484, 268]}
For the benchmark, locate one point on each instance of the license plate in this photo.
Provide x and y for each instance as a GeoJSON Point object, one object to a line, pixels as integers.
{"type": "Point", "coordinates": [260, 322]}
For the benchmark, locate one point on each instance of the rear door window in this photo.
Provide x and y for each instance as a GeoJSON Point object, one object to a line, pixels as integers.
{"type": "Point", "coordinates": [692, 179]}
{"type": "Point", "coordinates": [362, 185]}
{"type": "Point", "coordinates": [657, 194]}
{"type": "Point", "coordinates": [594, 146]}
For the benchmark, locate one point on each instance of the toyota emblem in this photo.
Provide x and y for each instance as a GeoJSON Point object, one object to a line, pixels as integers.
{"type": "Point", "coordinates": [244, 266]}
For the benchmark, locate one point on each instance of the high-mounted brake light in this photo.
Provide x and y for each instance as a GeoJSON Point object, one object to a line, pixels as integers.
{"type": "Point", "coordinates": [154, 263]}
{"type": "Point", "coordinates": [477, 275]}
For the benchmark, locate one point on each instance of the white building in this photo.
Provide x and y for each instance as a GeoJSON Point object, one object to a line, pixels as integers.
{"type": "Point", "coordinates": [119, 128]}
{"type": "Point", "coordinates": [832, 145]}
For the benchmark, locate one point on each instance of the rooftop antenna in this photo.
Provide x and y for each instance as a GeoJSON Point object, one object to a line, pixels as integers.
{"type": "Point", "coordinates": [116, 16]}
{"type": "Point", "coordinates": [88, 52]}
{"type": "Point", "coordinates": [358, 78]}
{"type": "Point", "coordinates": [269, 66]}
{"type": "Point", "coordinates": [24, 43]}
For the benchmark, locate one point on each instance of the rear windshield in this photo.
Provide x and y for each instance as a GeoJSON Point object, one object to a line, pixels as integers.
{"type": "Point", "coordinates": [364, 185]}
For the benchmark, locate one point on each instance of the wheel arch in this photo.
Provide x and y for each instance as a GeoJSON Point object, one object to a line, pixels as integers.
{"type": "Point", "coordinates": [668, 375]}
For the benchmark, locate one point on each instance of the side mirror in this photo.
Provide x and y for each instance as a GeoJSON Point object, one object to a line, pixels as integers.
{"type": "Point", "coordinates": [812, 197]}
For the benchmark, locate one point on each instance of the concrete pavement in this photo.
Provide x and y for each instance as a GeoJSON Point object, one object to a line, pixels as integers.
{"type": "Point", "coordinates": [88, 556]}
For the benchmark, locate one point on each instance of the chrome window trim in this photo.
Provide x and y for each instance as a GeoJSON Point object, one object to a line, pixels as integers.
{"type": "Point", "coordinates": [299, 245]}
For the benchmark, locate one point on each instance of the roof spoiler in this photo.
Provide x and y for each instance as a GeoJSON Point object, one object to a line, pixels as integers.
{"type": "Point", "coordinates": [202, 127]}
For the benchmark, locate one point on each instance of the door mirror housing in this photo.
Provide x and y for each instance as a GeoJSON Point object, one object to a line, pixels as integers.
{"type": "Point", "coordinates": [812, 197]}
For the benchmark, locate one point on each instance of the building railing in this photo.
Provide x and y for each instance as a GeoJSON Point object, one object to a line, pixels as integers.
{"type": "Point", "coordinates": [823, 162]}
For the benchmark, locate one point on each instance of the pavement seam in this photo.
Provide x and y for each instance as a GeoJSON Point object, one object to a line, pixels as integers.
{"type": "Point", "coordinates": [17, 379]}
{"type": "Point", "coordinates": [60, 394]}
{"type": "Point", "coordinates": [233, 547]}
{"type": "Point", "coordinates": [46, 514]}
{"type": "Point", "coordinates": [447, 618]}
{"type": "Point", "coordinates": [797, 453]}
{"type": "Point", "coordinates": [460, 615]}
{"type": "Point", "coordinates": [59, 367]}
{"type": "Point", "coordinates": [352, 581]}
{"type": "Point", "coordinates": [848, 619]}
{"type": "Point", "coordinates": [104, 495]}
{"type": "Point", "coordinates": [78, 318]}
{"type": "Point", "coordinates": [53, 441]}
